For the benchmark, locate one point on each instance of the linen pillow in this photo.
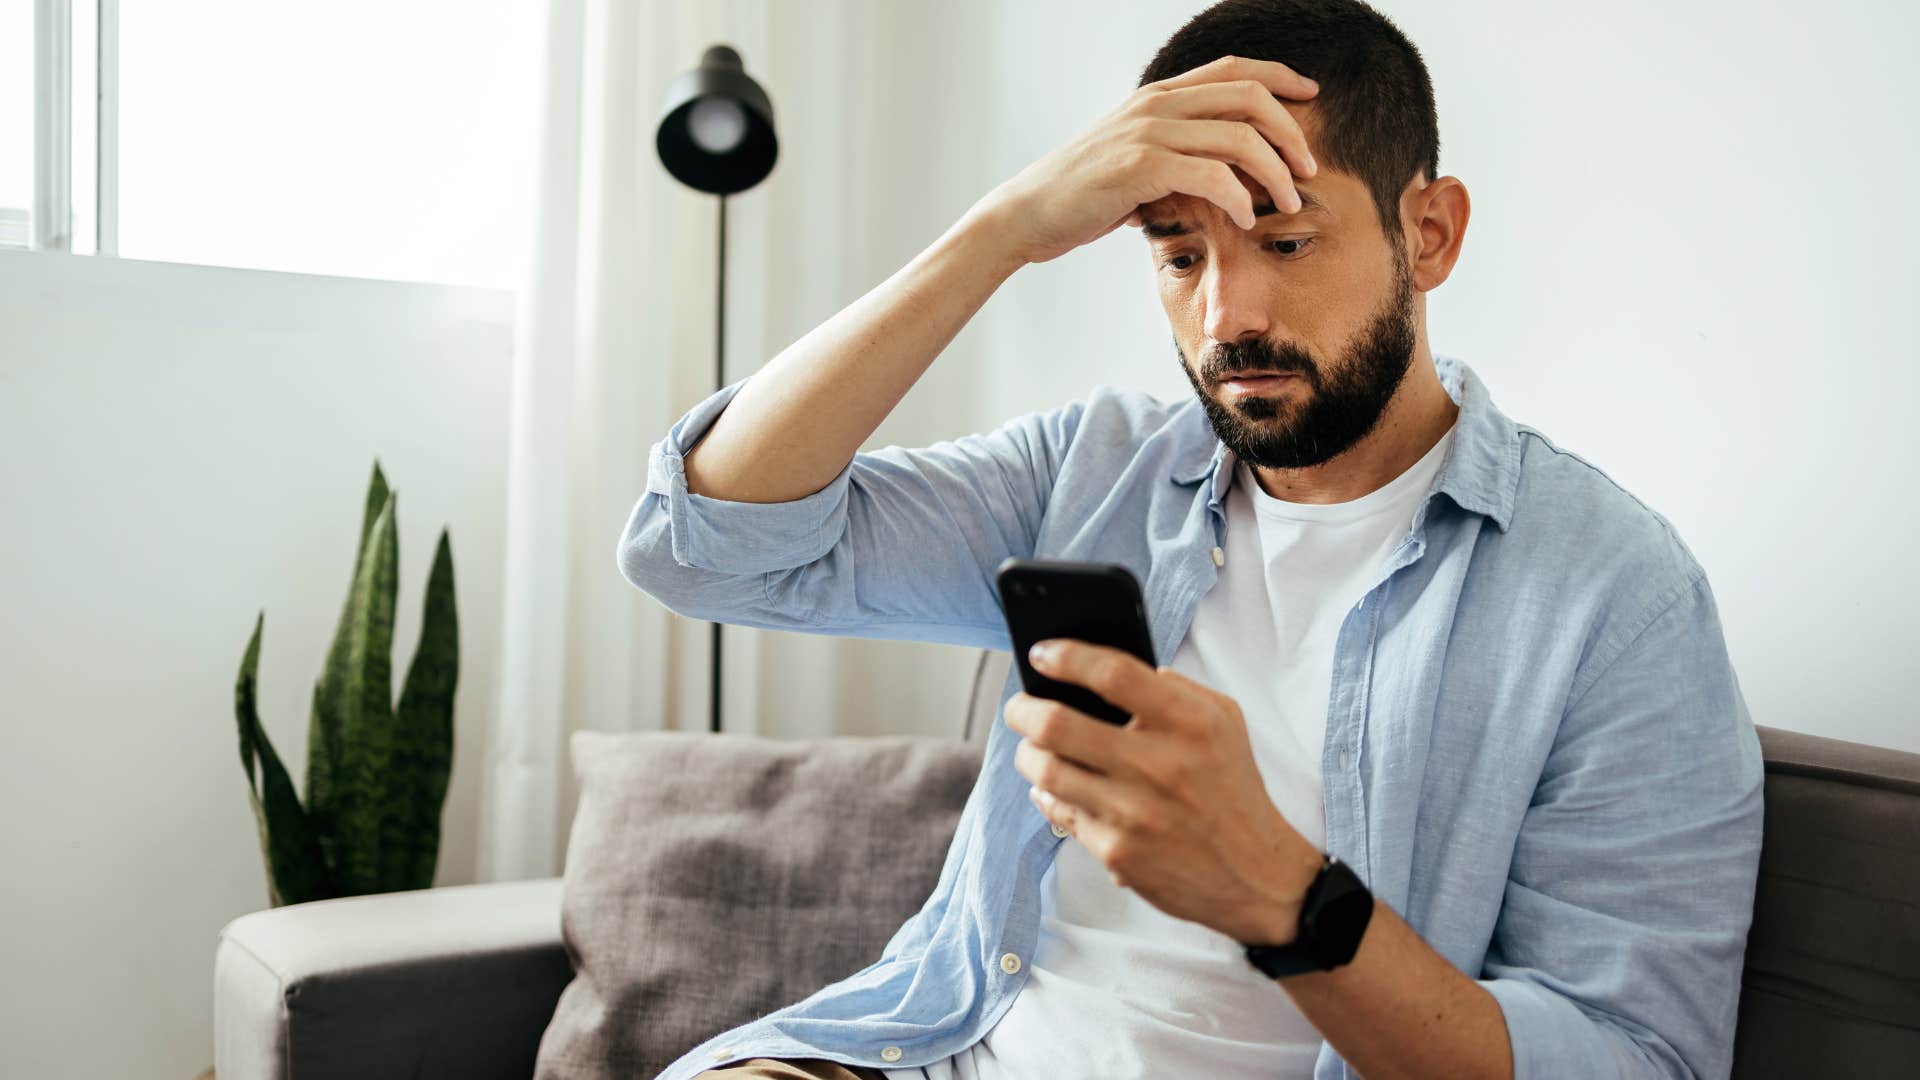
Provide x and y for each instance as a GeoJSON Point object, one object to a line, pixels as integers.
{"type": "Point", "coordinates": [711, 879]}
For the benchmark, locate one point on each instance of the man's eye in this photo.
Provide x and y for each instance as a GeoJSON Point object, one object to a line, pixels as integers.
{"type": "Point", "coordinates": [1286, 249]}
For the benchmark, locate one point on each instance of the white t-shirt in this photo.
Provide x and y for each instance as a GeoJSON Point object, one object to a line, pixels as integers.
{"type": "Point", "coordinates": [1117, 988]}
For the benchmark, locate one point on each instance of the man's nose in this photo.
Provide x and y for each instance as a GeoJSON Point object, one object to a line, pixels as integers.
{"type": "Point", "coordinates": [1236, 304]}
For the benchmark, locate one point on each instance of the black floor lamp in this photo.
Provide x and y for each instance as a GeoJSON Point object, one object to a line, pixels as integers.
{"type": "Point", "coordinates": [716, 136]}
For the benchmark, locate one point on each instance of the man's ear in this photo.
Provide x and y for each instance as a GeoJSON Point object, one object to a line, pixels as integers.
{"type": "Point", "coordinates": [1437, 224]}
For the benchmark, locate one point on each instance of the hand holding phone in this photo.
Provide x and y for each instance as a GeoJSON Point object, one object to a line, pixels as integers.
{"type": "Point", "coordinates": [1055, 598]}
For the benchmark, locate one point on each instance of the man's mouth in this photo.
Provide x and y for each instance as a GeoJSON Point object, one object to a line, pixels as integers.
{"type": "Point", "coordinates": [1250, 381]}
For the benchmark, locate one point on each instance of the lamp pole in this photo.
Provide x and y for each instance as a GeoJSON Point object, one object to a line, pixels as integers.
{"type": "Point", "coordinates": [719, 380]}
{"type": "Point", "coordinates": [716, 135]}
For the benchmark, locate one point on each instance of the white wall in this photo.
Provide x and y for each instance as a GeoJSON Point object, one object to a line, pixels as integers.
{"type": "Point", "coordinates": [1687, 252]}
{"type": "Point", "coordinates": [182, 447]}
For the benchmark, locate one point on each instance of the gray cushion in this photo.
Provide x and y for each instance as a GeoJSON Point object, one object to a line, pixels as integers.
{"type": "Point", "coordinates": [1832, 980]}
{"type": "Point", "coordinates": [711, 879]}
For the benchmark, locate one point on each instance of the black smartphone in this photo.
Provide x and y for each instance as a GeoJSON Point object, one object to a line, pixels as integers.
{"type": "Point", "coordinates": [1055, 598]}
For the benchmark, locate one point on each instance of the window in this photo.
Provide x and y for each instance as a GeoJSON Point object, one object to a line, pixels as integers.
{"type": "Point", "coordinates": [364, 138]}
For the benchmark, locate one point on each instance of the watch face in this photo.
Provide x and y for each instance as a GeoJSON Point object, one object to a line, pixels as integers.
{"type": "Point", "coordinates": [1344, 917]}
{"type": "Point", "coordinates": [1341, 914]}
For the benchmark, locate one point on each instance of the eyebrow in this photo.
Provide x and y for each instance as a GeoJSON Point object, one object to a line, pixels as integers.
{"type": "Point", "coordinates": [1159, 230]}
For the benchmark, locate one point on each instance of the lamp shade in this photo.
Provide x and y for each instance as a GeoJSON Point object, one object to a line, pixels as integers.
{"type": "Point", "coordinates": [716, 126]}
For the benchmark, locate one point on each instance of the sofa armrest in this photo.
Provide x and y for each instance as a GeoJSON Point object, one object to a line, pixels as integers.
{"type": "Point", "coordinates": [450, 982]}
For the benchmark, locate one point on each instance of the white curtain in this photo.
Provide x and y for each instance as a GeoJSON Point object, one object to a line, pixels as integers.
{"type": "Point", "coordinates": [616, 339]}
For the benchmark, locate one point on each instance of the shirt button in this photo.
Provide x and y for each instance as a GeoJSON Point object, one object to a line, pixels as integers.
{"type": "Point", "coordinates": [1010, 964]}
{"type": "Point", "coordinates": [891, 1053]}
{"type": "Point", "coordinates": [1058, 831]}
{"type": "Point", "coordinates": [723, 1053]}
{"type": "Point", "coordinates": [1343, 759]}
{"type": "Point", "coordinates": [1219, 557]}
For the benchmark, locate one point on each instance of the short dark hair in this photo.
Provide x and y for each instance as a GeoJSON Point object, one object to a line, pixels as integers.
{"type": "Point", "coordinates": [1375, 105]}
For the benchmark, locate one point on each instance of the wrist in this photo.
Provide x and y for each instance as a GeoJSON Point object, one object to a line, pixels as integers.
{"type": "Point", "coordinates": [1293, 875]}
{"type": "Point", "coordinates": [987, 238]}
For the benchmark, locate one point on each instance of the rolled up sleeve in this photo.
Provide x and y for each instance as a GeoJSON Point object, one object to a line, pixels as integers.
{"type": "Point", "coordinates": [734, 537]}
{"type": "Point", "coordinates": [1619, 945]}
{"type": "Point", "coordinates": [902, 543]}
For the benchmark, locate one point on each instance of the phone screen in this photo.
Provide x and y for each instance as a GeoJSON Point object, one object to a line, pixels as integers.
{"type": "Point", "coordinates": [1055, 598]}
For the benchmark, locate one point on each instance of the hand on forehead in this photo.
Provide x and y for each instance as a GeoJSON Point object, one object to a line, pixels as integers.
{"type": "Point", "coordinates": [1192, 208]}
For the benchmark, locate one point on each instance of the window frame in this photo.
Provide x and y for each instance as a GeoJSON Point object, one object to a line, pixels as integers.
{"type": "Point", "coordinates": [49, 223]}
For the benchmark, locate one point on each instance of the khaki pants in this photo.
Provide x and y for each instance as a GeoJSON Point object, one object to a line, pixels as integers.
{"type": "Point", "coordinates": [790, 1069]}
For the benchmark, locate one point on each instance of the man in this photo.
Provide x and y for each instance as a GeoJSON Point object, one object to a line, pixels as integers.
{"type": "Point", "coordinates": [1448, 772]}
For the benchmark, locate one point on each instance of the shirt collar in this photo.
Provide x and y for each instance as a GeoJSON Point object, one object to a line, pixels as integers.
{"type": "Point", "coordinates": [1481, 471]}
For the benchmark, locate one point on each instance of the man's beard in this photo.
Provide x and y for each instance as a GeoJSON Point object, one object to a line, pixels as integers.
{"type": "Point", "coordinates": [1346, 401]}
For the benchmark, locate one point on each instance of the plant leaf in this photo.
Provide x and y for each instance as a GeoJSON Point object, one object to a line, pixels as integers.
{"type": "Point", "coordinates": [361, 777]}
{"type": "Point", "coordinates": [377, 492]}
{"type": "Point", "coordinates": [245, 696]}
{"type": "Point", "coordinates": [423, 737]}
{"type": "Point", "coordinates": [324, 723]}
{"type": "Point", "coordinates": [296, 869]}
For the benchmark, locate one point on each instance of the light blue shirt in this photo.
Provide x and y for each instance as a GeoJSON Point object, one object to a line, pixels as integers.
{"type": "Point", "coordinates": [1537, 752]}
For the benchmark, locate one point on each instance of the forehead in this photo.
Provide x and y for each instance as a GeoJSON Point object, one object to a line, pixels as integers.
{"type": "Point", "coordinates": [1182, 214]}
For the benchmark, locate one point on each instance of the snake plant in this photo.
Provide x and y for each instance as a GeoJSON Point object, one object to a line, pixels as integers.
{"type": "Point", "coordinates": [376, 771]}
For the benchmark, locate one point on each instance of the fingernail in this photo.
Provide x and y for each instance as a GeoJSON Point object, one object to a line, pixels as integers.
{"type": "Point", "coordinates": [1312, 165]}
{"type": "Point", "coordinates": [1311, 85]}
{"type": "Point", "coordinates": [1041, 653]}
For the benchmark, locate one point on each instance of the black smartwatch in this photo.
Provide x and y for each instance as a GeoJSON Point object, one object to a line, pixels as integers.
{"type": "Point", "coordinates": [1333, 918]}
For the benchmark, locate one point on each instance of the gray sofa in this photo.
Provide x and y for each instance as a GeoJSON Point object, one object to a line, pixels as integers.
{"type": "Point", "coordinates": [463, 982]}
